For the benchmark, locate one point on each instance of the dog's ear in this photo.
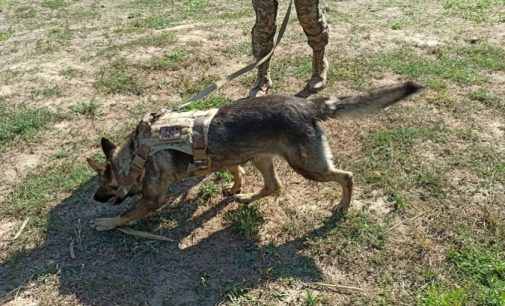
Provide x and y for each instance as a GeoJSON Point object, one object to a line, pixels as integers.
{"type": "Point", "coordinates": [108, 148]}
{"type": "Point", "coordinates": [97, 166]}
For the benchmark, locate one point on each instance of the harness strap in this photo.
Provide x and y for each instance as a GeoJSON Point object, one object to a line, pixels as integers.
{"type": "Point", "coordinates": [137, 165]}
{"type": "Point", "coordinates": [200, 143]}
{"type": "Point", "coordinates": [200, 140]}
{"type": "Point", "coordinates": [201, 160]}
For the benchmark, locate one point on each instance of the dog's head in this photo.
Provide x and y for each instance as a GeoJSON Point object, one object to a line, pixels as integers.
{"type": "Point", "coordinates": [108, 179]}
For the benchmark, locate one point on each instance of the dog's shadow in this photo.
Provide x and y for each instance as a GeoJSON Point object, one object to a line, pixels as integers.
{"type": "Point", "coordinates": [111, 268]}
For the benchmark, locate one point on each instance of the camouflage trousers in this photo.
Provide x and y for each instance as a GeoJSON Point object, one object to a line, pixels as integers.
{"type": "Point", "coordinates": [309, 15]}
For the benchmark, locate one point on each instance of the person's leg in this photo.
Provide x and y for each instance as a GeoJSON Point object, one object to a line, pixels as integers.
{"type": "Point", "coordinates": [263, 34]}
{"type": "Point", "coordinates": [315, 27]}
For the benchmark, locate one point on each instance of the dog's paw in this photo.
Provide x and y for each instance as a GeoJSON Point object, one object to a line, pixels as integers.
{"type": "Point", "coordinates": [343, 207]}
{"type": "Point", "coordinates": [230, 191]}
{"type": "Point", "coordinates": [106, 224]}
{"type": "Point", "coordinates": [245, 198]}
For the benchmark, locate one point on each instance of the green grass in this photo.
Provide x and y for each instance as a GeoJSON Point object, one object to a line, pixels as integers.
{"type": "Point", "coordinates": [473, 10]}
{"type": "Point", "coordinates": [479, 273]}
{"type": "Point", "coordinates": [47, 92]}
{"type": "Point", "coordinates": [62, 35]}
{"type": "Point", "coordinates": [56, 38]}
{"type": "Point", "coordinates": [5, 35]}
{"type": "Point", "coordinates": [390, 164]}
{"type": "Point", "coordinates": [431, 181]}
{"type": "Point", "coordinates": [412, 156]}
{"type": "Point", "coordinates": [488, 99]}
{"type": "Point", "coordinates": [300, 67]}
{"type": "Point", "coordinates": [459, 65]}
{"type": "Point", "coordinates": [212, 102]}
{"type": "Point", "coordinates": [149, 40]}
{"type": "Point", "coordinates": [486, 162]}
{"type": "Point", "coordinates": [118, 78]}
{"type": "Point", "coordinates": [153, 22]}
{"type": "Point", "coordinates": [70, 73]}
{"type": "Point", "coordinates": [53, 4]}
{"type": "Point", "coordinates": [358, 232]}
{"type": "Point", "coordinates": [402, 138]}
{"type": "Point", "coordinates": [390, 144]}
{"type": "Point", "coordinates": [245, 221]}
{"type": "Point", "coordinates": [169, 61]}
{"type": "Point", "coordinates": [193, 7]}
{"type": "Point", "coordinates": [25, 12]}
{"type": "Point", "coordinates": [234, 15]}
{"type": "Point", "coordinates": [158, 40]}
{"type": "Point", "coordinates": [398, 24]}
{"type": "Point", "coordinates": [89, 109]}
{"type": "Point", "coordinates": [310, 299]}
{"type": "Point", "coordinates": [440, 296]}
{"type": "Point", "coordinates": [33, 195]}
{"type": "Point", "coordinates": [207, 191]}
{"type": "Point", "coordinates": [224, 176]}
{"type": "Point", "coordinates": [399, 202]}
{"type": "Point", "coordinates": [354, 70]}
{"type": "Point", "coordinates": [22, 122]}
{"type": "Point", "coordinates": [239, 49]}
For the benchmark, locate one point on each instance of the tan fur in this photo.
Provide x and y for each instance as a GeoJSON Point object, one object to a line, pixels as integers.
{"type": "Point", "coordinates": [236, 136]}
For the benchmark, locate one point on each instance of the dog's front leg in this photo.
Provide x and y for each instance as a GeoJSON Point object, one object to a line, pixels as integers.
{"type": "Point", "coordinates": [272, 184]}
{"type": "Point", "coordinates": [238, 180]}
{"type": "Point", "coordinates": [141, 209]}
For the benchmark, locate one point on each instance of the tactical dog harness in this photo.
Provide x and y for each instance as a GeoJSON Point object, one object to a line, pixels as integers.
{"type": "Point", "coordinates": [180, 131]}
{"type": "Point", "coordinates": [186, 132]}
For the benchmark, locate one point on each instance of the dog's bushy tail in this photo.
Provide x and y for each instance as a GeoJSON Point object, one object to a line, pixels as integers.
{"type": "Point", "coordinates": [374, 100]}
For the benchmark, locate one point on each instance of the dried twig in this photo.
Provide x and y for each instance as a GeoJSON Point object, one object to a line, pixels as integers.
{"type": "Point", "coordinates": [21, 229]}
{"type": "Point", "coordinates": [71, 247]}
{"type": "Point", "coordinates": [13, 294]}
{"type": "Point", "coordinates": [338, 287]}
{"type": "Point", "coordinates": [404, 221]}
{"type": "Point", "coordinates": [142, 234]}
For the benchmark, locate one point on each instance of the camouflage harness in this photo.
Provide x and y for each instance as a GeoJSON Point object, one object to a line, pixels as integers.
{"type": "Point", "coordinates": [186, 132]}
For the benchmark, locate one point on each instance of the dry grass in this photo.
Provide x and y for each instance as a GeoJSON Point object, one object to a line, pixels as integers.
{"type": "Point", "coordinates": [427, 222]}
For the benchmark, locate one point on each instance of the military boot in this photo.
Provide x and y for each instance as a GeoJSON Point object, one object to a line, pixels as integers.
{"type": "Point", "coordinates": [319, 75]}
{"type": "Point", "coordinates": [263, 82]}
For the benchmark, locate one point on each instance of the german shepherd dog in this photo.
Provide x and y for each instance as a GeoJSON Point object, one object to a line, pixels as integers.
{"type": "Point", "coordinates": [250, 129]}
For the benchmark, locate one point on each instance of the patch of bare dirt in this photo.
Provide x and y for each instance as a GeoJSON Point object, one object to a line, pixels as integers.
{"type": "Point", "coordinates": [7, 232]}
{"type": "Point", "coordinates": [15, 167]}
{"type": "Point", "coordinates": [23, 301]}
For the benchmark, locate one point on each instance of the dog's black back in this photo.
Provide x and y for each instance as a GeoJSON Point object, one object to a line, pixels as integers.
{"type": "Point", "coordinates": [277, 124]}
{"type": "Point", "coordinates": [263, 124]}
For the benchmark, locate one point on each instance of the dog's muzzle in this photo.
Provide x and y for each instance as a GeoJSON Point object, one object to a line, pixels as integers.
{"type": "Point", "coordinates": [117, 198]}
{"type": "Point", "coordinates": [102, 198]}
{"type": "Point", "coordinates": [120, 196]}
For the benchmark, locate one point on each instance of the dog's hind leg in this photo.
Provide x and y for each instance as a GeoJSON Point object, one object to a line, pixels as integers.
{"type": "Point", "coordinates": [272, 185]}
{"type": "Point", "coordinates": [314, 161]}
{"type": "Point", "coordinates": [238, 180]}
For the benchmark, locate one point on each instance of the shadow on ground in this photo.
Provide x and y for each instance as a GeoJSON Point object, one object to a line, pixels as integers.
{"type": "Point", "coordinates": [111, 268]}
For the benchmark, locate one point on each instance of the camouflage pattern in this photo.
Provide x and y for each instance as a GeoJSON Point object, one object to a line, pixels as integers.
{"type": "Point", "coordinates": [313, 23]}
{"type": "Point", "coordinates": [263, 32]}
{"type": "Point", "coordinates": [311, 19]}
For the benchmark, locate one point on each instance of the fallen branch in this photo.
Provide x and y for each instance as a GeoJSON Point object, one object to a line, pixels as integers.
{"type": "Point", "coordinates": [142, 234]}
{"type": "Point", "coordinates": [21, 229]}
